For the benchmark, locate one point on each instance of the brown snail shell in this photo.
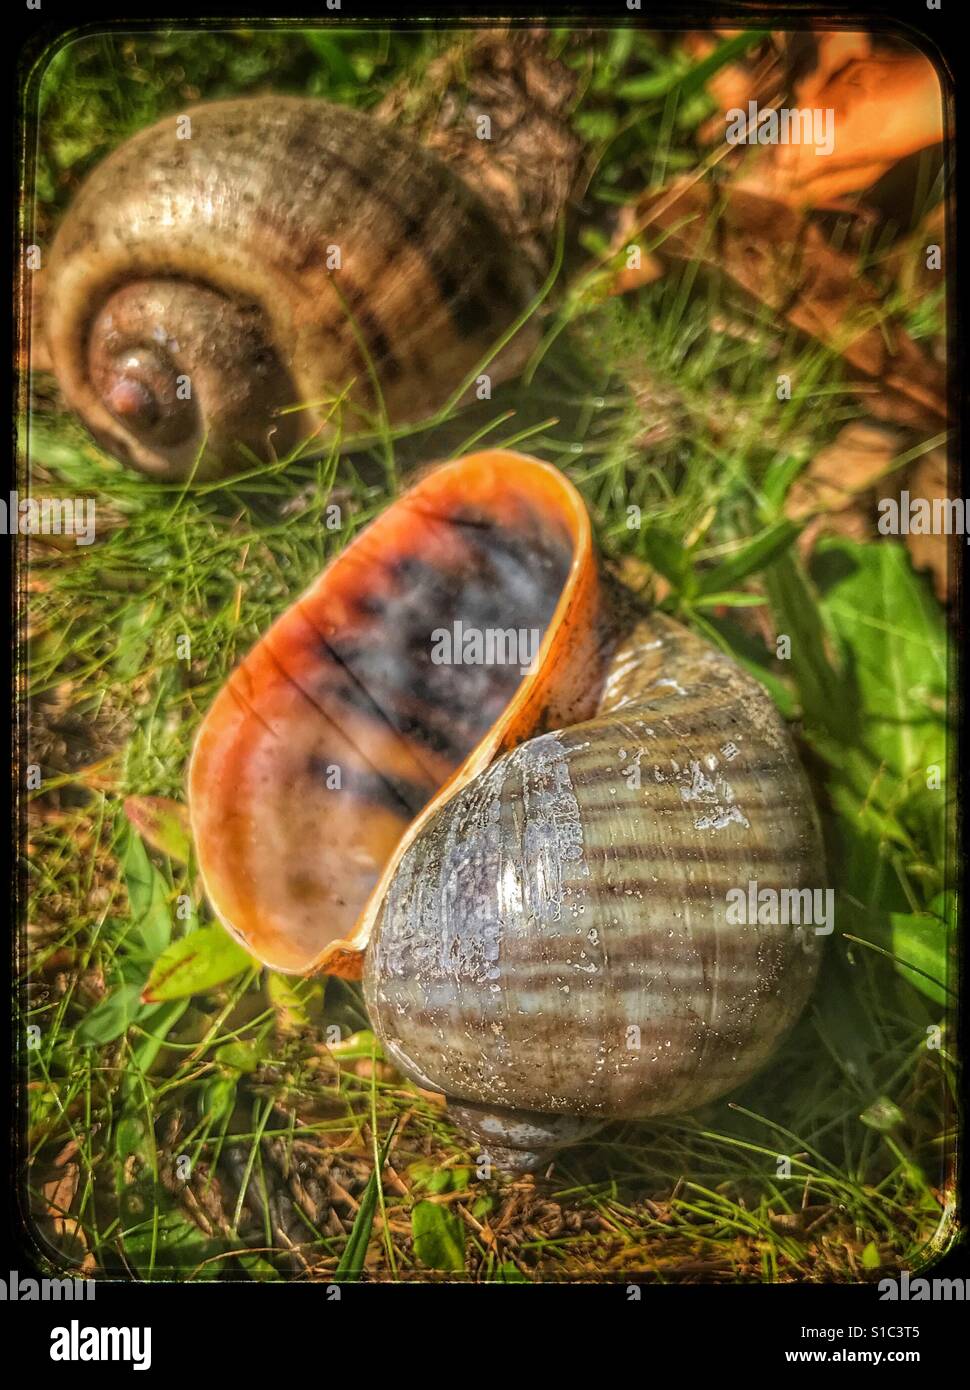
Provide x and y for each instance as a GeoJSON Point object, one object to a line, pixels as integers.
{"type": "Point", "coordinates": [290, 253]}
{"type": "Point", "coordinates": [543, 935]}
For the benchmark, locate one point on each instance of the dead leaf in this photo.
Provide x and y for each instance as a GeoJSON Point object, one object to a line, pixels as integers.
{"type": "Point", "coordinates": [782, 259]}
{"type": "Point", "coordinates": [602, 281]}
{"type": "Point", "coordinates": [66, 1232]}
{"type": "Point", "coordinates": [630, 278]}
{"type": "Point", "coordinates": [885, 106]}
{"type": "Point", "coordinates": [757, 76]}
{"type": "Point", "coordinates": [860, 454]}
{"type": "Point", "coordinates": [639, 577]}
{"type": "Point", "coordinates": [163, 823]}
{"type": "Point", "coordinates": [907, 265]}
{"type": "Point", "coordinates": [932, 552]}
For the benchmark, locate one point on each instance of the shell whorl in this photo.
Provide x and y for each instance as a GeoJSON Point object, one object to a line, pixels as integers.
{"type": "Point", "coordinates": [530, 866]}
{"type": "Point", "coordinates": [557, 938]}
{"type": "Point", "coordinates": [289, 251]}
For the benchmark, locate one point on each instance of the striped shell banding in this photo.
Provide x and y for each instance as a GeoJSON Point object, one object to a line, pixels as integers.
{"type": "Point", "coordinates": [211, 298]}
{"type": "Point", "coordinates": [529, 870]}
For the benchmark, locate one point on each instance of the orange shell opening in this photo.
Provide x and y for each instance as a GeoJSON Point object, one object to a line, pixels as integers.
{"type": "Point", "coordinates": [372, 700]}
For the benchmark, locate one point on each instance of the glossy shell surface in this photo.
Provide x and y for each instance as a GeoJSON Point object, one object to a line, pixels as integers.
{"type": "Point", "coordinates": [534, 867]}
{"type": "Point", "coordinates": [558, 936]}
{"type": "Point", "coordinates": [339, 727]}
{"type": "Point", "coordinates": [285, 252]}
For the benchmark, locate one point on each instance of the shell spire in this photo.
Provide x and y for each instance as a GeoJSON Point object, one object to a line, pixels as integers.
{"type": "Point", "coordinates": [195, 318]}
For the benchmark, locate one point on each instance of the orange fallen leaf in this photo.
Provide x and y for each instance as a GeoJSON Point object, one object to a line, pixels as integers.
{"type": "Point", "coordinates": [163, 823]}
{"type": "Point", "coordinates": [932, 552]}
{"type": "Point", "coordinates": [858, 457]}
{"type": "Point", "coordinates": [782, 259]}
{"type": "Point", "coordinates": [884, 107]}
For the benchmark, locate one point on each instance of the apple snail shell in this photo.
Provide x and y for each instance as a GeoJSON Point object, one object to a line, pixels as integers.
{"type": "Point", "coordinates": [530, 870]}
{"type": "Point", "coordinates": [289, 253]}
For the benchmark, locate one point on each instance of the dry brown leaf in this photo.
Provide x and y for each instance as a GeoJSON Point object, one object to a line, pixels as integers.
{"type": "Point", "coordinates": [860, 454]}
{"type": "Point", "coordinates": [628, 278]}
{"type": "Point", "coordinates": [632, 278]}
{"type": "Point", "coordinates": [836, 48]}
{"type": "Point", "coordinates": [907, 265]}
{"type": "Point", "coordinates": [782, 259]}
{"type": "Point", "coordinates": [66, 1232]}
{"type": "Point", "coordinates": [886, 106]}
{"type": "Point", "coordinates": [849, 525]}
{"type": "Point", "coordinates": [754, 78]}
{"type": "Point", "coordinates": [59, 1193]}
{"type": "Point", "coordinates": [932, 552]}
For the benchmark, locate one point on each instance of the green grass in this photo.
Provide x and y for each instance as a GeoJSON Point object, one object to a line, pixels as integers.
{"type": "Point", "coordinates": [221, 1134]}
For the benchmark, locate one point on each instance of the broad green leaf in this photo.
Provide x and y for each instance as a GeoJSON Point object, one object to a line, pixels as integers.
{"type": "Point", "coordinates": [891, 779]}
{"type": "Point", "coordinates": [163, 823]}
{"type": "Point", "coordinates": [132, 965]}
{"type": "Point", "coordinates": [168, 1241]}
{"type": "Point", "coordinates": [328, 50]}
{"type": "Point", "coordinates": [361, 1044]}
{"type": "Point", "coordinates": [196, 963]}
{"type": "Point", "coordinates": [239, 1056]}
{"type": "Point", "coordinates": [156, 1022]}
{"type": "Point", "coordinates": [439, 1236]}
{"type": "Point", "coordinates": [131, 644]}
{"type": "Point", "coordinates": [130, 1136]}
{"type": "Point", "coordinates": [892, 631]}
{"type": "Point", "coordinates": [111, 1018]}
{"type": "Point", "coordinates": [798, 616]}
{"type": "Point", "coordinates": [649, 87]}
{"type": "Point", "coordinates": [148, 897]}
{"type": "Point", "coordinates": [434, 1178]}
{"type": "Point", "coordinates": [875, 712]}
{"type": "Point", "coordinates": [654, 85]}
{"type": "Point", "coordinates": [923, 942]}
{"type": "Point", "coordinates": [421, 1173]}
{"type": "Point", "coordinates": [257, 1267]}
{"type": "Point", "coordinates": [284, 995]}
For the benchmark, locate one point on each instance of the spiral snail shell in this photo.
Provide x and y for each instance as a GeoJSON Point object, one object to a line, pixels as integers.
{"type": "Point", "coordinates": [529, 867]}
{"type": "Point", "coordinates": [290, 269]}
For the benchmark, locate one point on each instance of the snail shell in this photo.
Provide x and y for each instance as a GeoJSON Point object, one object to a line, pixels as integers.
{"type": "Point", "coordinates": [290, 253]}
{"type": "Point", "coordinates": [531, 870]}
